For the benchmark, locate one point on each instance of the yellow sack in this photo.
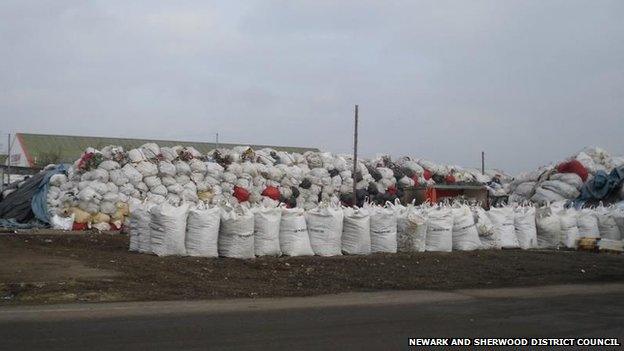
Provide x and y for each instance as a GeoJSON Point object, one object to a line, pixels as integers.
{"type": "Point", "coordinates": [80, 216]}
{"type": "Point", "coordinates": [101, 218]}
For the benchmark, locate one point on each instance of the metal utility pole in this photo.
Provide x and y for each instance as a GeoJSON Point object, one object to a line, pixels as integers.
{"type": "Point", "coordinates": [355, 145]}
{"type": "Point", "coordinates": [9, 159]}
{"type": "Point", "coordinates": [482, 162]}
{"type": "Point", "coordinates": [217, 141]}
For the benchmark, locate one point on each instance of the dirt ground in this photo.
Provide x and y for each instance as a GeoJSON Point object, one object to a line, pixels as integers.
{"type": "Point", "coordinates": [47, 268]}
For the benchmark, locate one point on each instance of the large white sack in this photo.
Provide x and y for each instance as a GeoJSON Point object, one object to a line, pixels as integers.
{"type": "Point", "coordinates": [266, 230]}
{"type": "Point", "coordinates": [202, 231]}
{"type": "Point", "coordinates": [569, 227]}
{"type": "Point", "coordinates": [139, 221]}
{"type": "Point", "coordinates": [150, 150]}
{"type": "Point", "coordinates": [588, 224]}
{"type": "Point", "coordinates": [356, 238]}
{"type": "Point", "coordinates": [166, 168]}
{"type": "Point", "coordinates": [465, 236]}
{"type": "Point", "coordinates": [545, 196]}
{"type": "Point", "coordinates": [236, 233]}
{"type": "Point", "coordinates": [618, 216]}
{"type": "Point", "coordinates": [549, 235]}
{"type": "Point", "coordinates": [487, 235]}
{"type": "Point", "coordinates": [118, 177]}
{"type": "Point", "coordinates": [566, 190]}
{"type": "Point", "coordinates": [411, 229]}
{"type": "Point", "coordinates": [62, 223]}
{"type": "Point", "coordinates": [525, 227]}
{"type": "Point", "coordinates": [132, 174]}
{"type": "Point", "coordinates": [383, 229]}
{"type": "Point", "coordinates": [503, 220]}
{"type": "Point", "coordinates": [293, 237]}
{"type": "Point", "coordinates": [147, 168]}
{"type": "Point", "coordinates": [607, 226]}
{"type": "Point", "coordinates": [439, 230]}
{"type": "Point", "coordinates": [526, 189]}
{"type": "Point", "coordinates": [325, 229]}
{"type": "Point", "coordinates": [168, 229]}
{"type": "Point", "coordinates": [572, 179]}
{"type": "Point", "coordinates": [136, 155]}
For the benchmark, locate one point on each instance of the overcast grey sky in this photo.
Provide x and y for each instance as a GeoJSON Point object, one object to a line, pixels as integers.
{"type": "Point", "coordinates": [527, 81]}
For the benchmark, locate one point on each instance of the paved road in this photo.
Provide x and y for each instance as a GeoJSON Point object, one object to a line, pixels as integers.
{"type": "Point", "coordinates": [362, 321]}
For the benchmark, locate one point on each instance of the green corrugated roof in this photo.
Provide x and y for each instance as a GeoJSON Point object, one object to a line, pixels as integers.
{"type": "Point", "coordinates": [70, 147]}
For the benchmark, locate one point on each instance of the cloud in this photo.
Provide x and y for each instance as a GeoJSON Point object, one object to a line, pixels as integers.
{"type": "Point", "coordinates": [529, 82]}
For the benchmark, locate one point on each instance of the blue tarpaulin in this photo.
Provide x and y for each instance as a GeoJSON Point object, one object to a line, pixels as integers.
{"type": "Point", "coordinates": [602, 185]}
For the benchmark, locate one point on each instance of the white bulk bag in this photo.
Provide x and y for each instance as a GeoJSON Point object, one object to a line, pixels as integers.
{"type": "Point", "coordinates": [132, 174]}
{"type": "Point", "coordinates": [236, 232]}
{"type": "Point", "coordinates": [569, 178]}
{"type": "Point", "coordinates": [325, 229]}
{"type": "Point", "coordinates": [439, 230]}
{"type": "Point", "coordinates": [356, 231]}
{"type": "Point", "coordinates": [465, 236]}
{"type": "Point", "coordinates": [411, 230]}
{"type": "Point", "coordinates": [607, 226]}
{"type": "Point", "coordinates": [166, 168]}
{"type": "Point", "coordinates": [487, 235]}
{"type": "Point", "coordinates": [168, 229]}
{"type": "Point", "coordinates": [202, 231]}
{"type": "Point", "coordinates": [588, 224]}
{"type": "Point", "coordinates": [293, 236]}
{"type": "Point", "coordinates": [524, 226]}
{"type": "Point", "coordinates": [569, 227]}
{"type": "Point", "coordinates": [503, 220]}
{"type": "Point", "coordinates": [147, 168]}
{"type": "Point", "coordinates": [383, 229]}
{"type": "Point", "coordinates": [136, 155]}
{"type": "Point", "coordinates": [139, 221]}
{"type": "Point", "coordinates": [564, 189]}
{"type": "Point", "coordinates": [548, 224]}
{"type": "Point", "coordinates": [266, 230]}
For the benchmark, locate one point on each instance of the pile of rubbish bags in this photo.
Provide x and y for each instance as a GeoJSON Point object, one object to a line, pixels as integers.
{"type": "Point", "coordinates": [100, 185]}
{"type": "Point", "coordinates": [244, 231]}
{"type": "Point", "coordinates": [591, 175]}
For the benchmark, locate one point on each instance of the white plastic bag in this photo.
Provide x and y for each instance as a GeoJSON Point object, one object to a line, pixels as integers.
{"type": "Point", "coordinates": [356, 231]}
{"type": "Point", "coordinates": [325, 228]}
{"type": "Point", "coordinates": [411, 229]}
{"type": "Point", "coordinates": [168, 229]}
{"type": "Point", "coordinates": [266, 231]}
{"type": "Point", "coordinates": [62, 223]}
{"type": "Point", "coordinates": [293, 236]}
{"type": "Point", "coordinates": [524, 226]}
{"type": "Point", "coordinates": [549, 235]}
{"type": "Point", "coordinates": [503, 220]}
{"type": "Point", "coordinates": [465, 236]}
{"type": "Point", "coordinates": [236, 232]}
{"type": "Point", "coordinates": [569, 227]}
{"type": "Point", "coordinates": [588, 224]}
{"type": "Point", "coordinates": [383, 229]}
{"type": "Point", "coordinates": [439, 230]}
{"type": "Point", "coordinates": [607, 226]}
{"type": "Point", "coordinates": [202, 231]}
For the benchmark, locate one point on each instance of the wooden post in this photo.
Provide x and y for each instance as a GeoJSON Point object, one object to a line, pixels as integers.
{"type": "Point", "coordinates": [482, 162]}
{"type": "Point", "coordinates": [9, 159]}
{"type": "Point", "coordinates": [217, 141]}
{"type": "Point", "coordinates": [355, 145]}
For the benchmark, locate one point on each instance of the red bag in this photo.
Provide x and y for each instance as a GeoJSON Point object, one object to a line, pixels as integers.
{"type": "Point", "coordinates": [427, 174]}
{"type": "Point", "coordinates": [391, 190]}
{"type": "Point", "coordinates": [449, 179]}
{"type": "Point", "coordinates": [241, 194]}
{"type": "Point", "coordinates": [573, 166]}
{"type": "Point", "coordinates": [79, 226]}
{"type": "Point", "coordinates": [272, 192]}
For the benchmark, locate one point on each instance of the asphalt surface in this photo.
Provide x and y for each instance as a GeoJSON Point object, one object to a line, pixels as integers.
{"type": "Point", "coordinates": [363, 321]}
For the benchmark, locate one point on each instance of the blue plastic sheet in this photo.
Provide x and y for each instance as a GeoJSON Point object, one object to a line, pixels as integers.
{"type": "Point", "coordinates": [40, 198]}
